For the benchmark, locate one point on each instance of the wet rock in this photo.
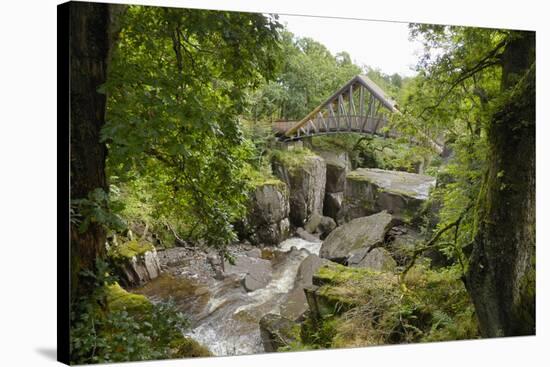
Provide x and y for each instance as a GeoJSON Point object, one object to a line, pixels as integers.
{"type": "Point", "coordinates": [255, 281]}
{"type": "Point", "coordinates": [277, 331]}
{"type": "Point", "coordinates": [296, 303]}
{"type": "Point", "coordinates": [269, 207]}
{"type": "Point", "coordinates": [255, 252]}
{"type": "Point", "coordinates": [256, 272]}
{"type": "Point", "coordinates": [305, 175]}
{"type": "Point", "coordinates": [333, 204]}
{"type": "Point", "coordinates": [372, 190]}
{"type": "Point", "coordinates": [358, 234]}
{"type": "Point", "coordinates": [305, 235]}
{"type": "Point", "coordinates": [378, 259]}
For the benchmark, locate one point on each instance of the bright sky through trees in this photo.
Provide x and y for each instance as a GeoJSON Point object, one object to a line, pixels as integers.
{"type": "Point", "coordinates": [378, 44]}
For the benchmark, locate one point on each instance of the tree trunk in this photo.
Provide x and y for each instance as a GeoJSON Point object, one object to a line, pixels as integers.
{"type": "Point", "coordinates": [501, 275]}
{"type": "Point", "coordinates": [90, 40]}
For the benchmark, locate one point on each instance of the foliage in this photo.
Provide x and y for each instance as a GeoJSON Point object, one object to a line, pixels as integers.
{"type": "Point", "coordinates": [309, 75]}
{"type": "Point", "coordinates": [428, 306]}
{"type": "Point", "coordinates": [112, 325]}
{"type": "Point", "coordinates": [95, 208]}
{"type": "Point", "coordinates": [177, 84]}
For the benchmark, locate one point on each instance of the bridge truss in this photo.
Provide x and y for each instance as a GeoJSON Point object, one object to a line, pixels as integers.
{"type": "Point", "coordinates": [360, 106]}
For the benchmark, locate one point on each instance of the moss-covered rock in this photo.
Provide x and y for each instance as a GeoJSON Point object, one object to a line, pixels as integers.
{"type": "Point", "coordinates": [118, 299]}
{"type": "Point", "coordinates": [185, 347]}
{"type": "Point", "coordinates": [136, 262]}
{"type": "Point", "coordinates": [367, 307]}
{"type": "Point", "coordinates": [372, 190]}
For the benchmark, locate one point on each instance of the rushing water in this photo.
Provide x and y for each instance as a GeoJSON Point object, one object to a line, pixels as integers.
{"type": "Point", "coordinates": [226, 320]}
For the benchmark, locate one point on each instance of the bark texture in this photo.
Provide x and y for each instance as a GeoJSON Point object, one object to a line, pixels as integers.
{"type": "Point", "coordinates": [90, 42]}
{"type": "Point", "coordinates": [501, 275]}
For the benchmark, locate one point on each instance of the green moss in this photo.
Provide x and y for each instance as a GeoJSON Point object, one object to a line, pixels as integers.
{"type": "Point", "coordinates": [186, 347]}
{"type": "Point", "coordinates": [375, 308]}
{"type": "Point", "coordinates": [258, 179]}
{"type": "Point", "coordinates": [130, 249]}
{"type": "Point", "coordinates": [293, 159]}
{"type": "Point", "coordinates": [336, 274]}
{"type": "Point", "coordinates": [119, 299]}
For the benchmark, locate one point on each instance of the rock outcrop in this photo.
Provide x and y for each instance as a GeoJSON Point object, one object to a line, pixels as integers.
{"type": "Point", "coordinates": [333, 204]}
{"type": "Point", "coordinates": [360, 234]}
{"type": "Point", "coordinates": [338, 166]}
{"type": "Point", "coordinates": [369, 191]}
{"type": "Point", "coordinates": [305, 175]}
{"type": "Point", "coordinates": [267, 220]}
{"type": "Point", "coordinates": [136, 262]}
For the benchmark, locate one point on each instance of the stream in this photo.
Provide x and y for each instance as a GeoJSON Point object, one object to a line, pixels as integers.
{"type": "Point", "coordinates": [224, 315]}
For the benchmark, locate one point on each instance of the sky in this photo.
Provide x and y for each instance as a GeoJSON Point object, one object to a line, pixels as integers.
{"type": "Point", "coordinates": [383, 45]}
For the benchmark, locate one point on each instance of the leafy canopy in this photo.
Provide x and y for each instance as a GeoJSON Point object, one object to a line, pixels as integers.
{"type": "Point", "coordinates": [177, 84]}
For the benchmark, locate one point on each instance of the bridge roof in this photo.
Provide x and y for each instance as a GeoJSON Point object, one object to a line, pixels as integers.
{"type": "Point", "coordinates": [375, 90]}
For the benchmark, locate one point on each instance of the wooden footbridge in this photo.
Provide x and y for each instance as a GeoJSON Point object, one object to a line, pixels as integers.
{"type": "Point", "coordinates": [360, 106]}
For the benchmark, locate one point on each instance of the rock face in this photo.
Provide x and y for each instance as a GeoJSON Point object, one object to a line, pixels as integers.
{"type": "Point", "coordinates": [333, 204]}
{"type": "Point", "coordinates": [136, 262]}
{"type": "Point", "coordinates": [268, 213]}
{"type": "Point", "coordinates": [338, 166]}
{"type": "Point", "coordinates": [276, 331]}
{"type": "Point", "coordinates": [305, 175]}
{"type": "Point", "coordinates": [358, 234]}
{"type": "Point", "coordinates": [372, 190]}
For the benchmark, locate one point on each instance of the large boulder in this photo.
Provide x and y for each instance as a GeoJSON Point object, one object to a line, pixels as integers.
{"type": "Point", "coordinates": [256, 272]}
{"type": "Point", "coordinates": [305, 175]}
{"type": "Point", "coordinates": [337, 168]}
{"type": "Point", "coordinates": [136, 262]}
{"type": "Point", "coordinates": [369, 191]}
{"type": "Point", "coordinates": [277, 331]}
{"type": "Point", "coordinates": [358, 234]}
{"type": "Point", "coordinates": [267, 220]}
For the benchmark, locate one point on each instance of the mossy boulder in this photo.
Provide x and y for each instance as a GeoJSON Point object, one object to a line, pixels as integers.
{"type": "Point", "coordinates": [118, 299]}
{"type": "Point", "coordinates": [305, 175]}
{"type": "Point", "coordinates": [186, 347]}
{"type": "Point", "coordinates": [360, 234]}
{"type": "Point", "coordinates": [369, 191]}
{"type": "Point", "coordinates": [136, 262]}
